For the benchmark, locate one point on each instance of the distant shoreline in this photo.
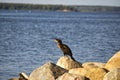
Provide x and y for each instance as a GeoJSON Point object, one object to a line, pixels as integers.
{"type": "Point", "coordinates": [61, 8]}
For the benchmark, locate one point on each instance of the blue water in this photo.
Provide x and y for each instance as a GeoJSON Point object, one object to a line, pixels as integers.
{"type": "Point", "coordinates": [26, 38]}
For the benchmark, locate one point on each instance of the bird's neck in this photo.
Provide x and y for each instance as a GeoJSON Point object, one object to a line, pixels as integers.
{"type": "Point", "coordinates": [59, 45]}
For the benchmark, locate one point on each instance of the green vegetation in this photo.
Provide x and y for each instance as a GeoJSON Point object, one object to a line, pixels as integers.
{"type": "Point", "coordinates": [11, 6]}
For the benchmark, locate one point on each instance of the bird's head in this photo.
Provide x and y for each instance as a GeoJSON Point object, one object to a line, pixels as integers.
{"type": "Point", "coordinates": [58, 41]}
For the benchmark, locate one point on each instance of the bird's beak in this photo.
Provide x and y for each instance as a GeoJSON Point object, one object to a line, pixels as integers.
{"type": "Point", "coordinates": [54, 40]}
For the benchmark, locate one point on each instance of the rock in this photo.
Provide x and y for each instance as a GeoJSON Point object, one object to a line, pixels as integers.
{"type": "Point", "coordinates": [68, 76]}
{"type": "Point", "coordinates": [95, 73]}
{"type": "Point", "coordinates": [91, 73]}
{"type": "Point", "coordinates": [78, 71]}
{"type": "Point", "coordinates": [48, 71]}
{"type": "Point", "coordinates": [68, 63]}
{"type": "Point", "coordinates": [23, 76]}
{"type": "Point", "coordinates": [113, 75]}
{"type": "Point", "coordinates": [93, 65]}
{"type": "Point", "coordinates": [113, 62]}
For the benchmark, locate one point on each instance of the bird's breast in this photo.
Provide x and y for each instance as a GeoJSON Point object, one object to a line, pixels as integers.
{"type": "Point", "coordinates": [59, 46]}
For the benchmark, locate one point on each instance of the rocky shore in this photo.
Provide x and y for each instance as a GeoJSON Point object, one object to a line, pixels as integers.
{"type": "Point", "coordinates": [67, 69]}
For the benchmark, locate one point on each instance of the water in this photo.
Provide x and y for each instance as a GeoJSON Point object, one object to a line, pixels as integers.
{"type": "Point", "coordinates": [26, 38]}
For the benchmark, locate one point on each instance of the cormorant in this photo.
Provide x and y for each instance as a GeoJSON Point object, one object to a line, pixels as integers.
{"type": "Point", "coordinates": [65, 49]}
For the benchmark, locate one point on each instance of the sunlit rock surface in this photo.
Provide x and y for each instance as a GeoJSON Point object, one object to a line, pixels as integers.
{"type": "Point", "coordinates": [91, 73]}
{"type": "Point", "coordinates": [48, 71]}
{"type": "Point", "coordinates": [113, 62]}
{"type": "Point", "coordinates": [68, 76]}
{"type": "Point", "coordinates": [68, 63]}
{"type": "Point", "coordinates": [93, 65]}
{"type": "Point", "coordinates": [113, 75]}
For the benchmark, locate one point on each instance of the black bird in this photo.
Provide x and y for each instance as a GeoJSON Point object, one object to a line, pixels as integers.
{"type": "Point", "coordinates": [65, 49]}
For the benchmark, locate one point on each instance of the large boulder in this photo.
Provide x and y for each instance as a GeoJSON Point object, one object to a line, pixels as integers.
{"type": "Point", "coordinates": [91, 73]}
{"type": "Point", "coordinates": [113, 75]}
{"type": "Point", "coordinates": [48, 71]}
{"type": "Point", "coordinates": [93, 65]}
{"type": "Point", "coordinates": [78, 71]}
{"type": "Point", "coordinates": [113, 62]}
{"type": "Point", "coordinates": [68, 76]}
{"type": "Point", "coordinates": [68, 63]}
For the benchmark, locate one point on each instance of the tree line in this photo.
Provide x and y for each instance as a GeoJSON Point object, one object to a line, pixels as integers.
{"type": "Point", "coordinates": [11, 6]}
